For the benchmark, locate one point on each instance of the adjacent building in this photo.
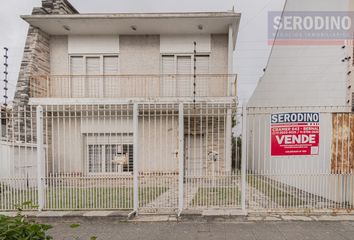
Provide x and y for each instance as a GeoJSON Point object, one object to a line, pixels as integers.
{"type": "Point", "coordinates": [306, 76]}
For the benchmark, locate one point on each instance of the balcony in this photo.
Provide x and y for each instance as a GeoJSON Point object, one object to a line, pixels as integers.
{"type": "Point", "coordinates": [133, 86]}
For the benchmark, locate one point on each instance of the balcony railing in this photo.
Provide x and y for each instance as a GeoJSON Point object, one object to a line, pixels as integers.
{"type": "Point", "coordinates": [132, 86]}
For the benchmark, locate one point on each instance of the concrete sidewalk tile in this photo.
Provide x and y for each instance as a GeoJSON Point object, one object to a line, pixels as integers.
{"type": "Point", "coordinates": [223, 212]}
{"type": "Point", "coordinates": [75, 214]}
{"type": "Point", "coordinates": [296, 218]}
{"type": "Point", "coordinates": [9, 214]}
{"type": "Point", "coordinates": [53, 214]}
{"type": "Point", "coordinates": [253, 218]}
{"type": "Point", "coordinates": [30, 213]}
{"type": "Point", "coordinates": [151, 218]}
{"type": "Point", "coordinates": [191, 212]}
{"type": "Point", "coordinates": [271, 218]}
{"type": "Point", "coordinates": [237, 212]}
{"type": "Point", "coordinates": [119, 214]}
{"type": "Point", "coordinates": [97, 213]}
{"type": "Point", "coordinates": [336, 218]}
{"type": "Point", "coordinates": [172, 218]}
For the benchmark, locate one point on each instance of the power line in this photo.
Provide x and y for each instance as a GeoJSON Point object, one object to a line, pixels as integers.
{"type": "Point", "coordinates": [256, 15]}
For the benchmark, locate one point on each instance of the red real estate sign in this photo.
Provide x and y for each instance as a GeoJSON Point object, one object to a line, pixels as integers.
{"type": "Point", "coordinates": [295, 134]}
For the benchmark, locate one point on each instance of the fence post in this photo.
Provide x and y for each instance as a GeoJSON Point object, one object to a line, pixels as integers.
{"type": "Point", "coordinates": [180, 158]}
{"type": "Point", "coordinates": [243, 157]}
{"type": "Point", "coordinates": [40, 158]}
{"type": "Point", "coordinates": [135, 157]}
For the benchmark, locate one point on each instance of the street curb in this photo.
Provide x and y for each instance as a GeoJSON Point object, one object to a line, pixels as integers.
{"type": "Point", "coordinates": [196, 216]}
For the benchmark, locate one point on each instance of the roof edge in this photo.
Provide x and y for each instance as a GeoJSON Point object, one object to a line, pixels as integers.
{"type": "Point", "coordinates": [136, 15]}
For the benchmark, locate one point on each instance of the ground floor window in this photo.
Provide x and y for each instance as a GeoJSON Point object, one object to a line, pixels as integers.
{"type": "Point", "coordinates": [110, 158]}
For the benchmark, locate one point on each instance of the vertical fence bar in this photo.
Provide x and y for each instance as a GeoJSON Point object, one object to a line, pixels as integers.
{"type": "Point", "coordinates": [228, 141]}
{"type": "Point", "coordinates": [135, 156]}
{"type": "Point", "coordinates": [40, 156]}
{"type": "Point", "coordinates": [180, 157]}
{"type": "Point", "coordinates": [243, 158]}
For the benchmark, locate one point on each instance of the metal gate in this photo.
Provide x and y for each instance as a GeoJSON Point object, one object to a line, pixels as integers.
{"type": "Point", "coordinates": [169, 157]}
{"type": "Point", "coordinates": [212, 173]}
{"type": "Point", "coordinates": [158, 157]}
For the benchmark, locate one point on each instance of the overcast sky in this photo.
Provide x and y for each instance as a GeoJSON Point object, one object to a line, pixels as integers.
{"type": "Point", "coordinates": [252, 48]}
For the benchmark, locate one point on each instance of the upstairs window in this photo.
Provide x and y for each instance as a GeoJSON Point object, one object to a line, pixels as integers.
{"type": "Point", "coordinates": [177, 71]}
{"type": "Point", "coordinates": [94, 65]}
{"type": "Point", "coordinates": [90, 74]}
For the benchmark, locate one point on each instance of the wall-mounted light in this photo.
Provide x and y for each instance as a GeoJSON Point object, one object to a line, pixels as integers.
{"type": "Point", "coordinates": [133, 28]}
{"type": "Point", "coordinates": [200, 27]}
{"type": "Point", "coordinates": [66, 27]}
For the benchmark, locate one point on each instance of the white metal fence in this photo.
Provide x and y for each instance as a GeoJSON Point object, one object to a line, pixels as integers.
{"type": "Point", "coordinates": [300, 182]}
{"type": "Point", "coordinates": [18, 150]}
{"type": "Point", "coordinates": [166, 157]}
{"type": "Point", "coordinates": [147, 157]}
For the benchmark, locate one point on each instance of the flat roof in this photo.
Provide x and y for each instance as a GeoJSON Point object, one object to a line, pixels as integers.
{"type": "Point", "coordinates": [143, 23]}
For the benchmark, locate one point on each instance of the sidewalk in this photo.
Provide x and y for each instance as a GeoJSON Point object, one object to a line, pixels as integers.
{"type": "Point", "coordinates": [107, 228]}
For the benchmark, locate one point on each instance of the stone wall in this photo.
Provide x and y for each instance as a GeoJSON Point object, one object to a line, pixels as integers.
{"type": "Point", "coordinates": [35, 62]}
{"type": "Point", "coordinates": [36, 56]}
{"type": "Point", "coordinates": [58, 7]}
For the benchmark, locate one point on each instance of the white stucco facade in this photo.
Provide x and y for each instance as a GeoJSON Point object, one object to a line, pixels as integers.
{"type": "Point", "coordinates": [140, 50]}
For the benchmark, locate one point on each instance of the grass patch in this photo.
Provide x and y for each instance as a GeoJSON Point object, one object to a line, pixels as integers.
{"type": "Point", "coordinates": [11, 197]}
{"type": "Point", "coordinates": [267, 187]}
{"type": "Point", "coordinates": [82, 198]}
{"type": "Point", "coordinates": [217, 196]}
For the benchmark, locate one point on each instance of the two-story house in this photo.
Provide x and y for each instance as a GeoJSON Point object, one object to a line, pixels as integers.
{"type": "Point", "coordinates": [76, 64]}
{"type": "Point", "coordinates": [105, 99]}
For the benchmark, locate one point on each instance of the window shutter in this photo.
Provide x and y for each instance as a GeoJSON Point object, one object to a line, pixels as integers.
{"type": "Point", "coordinates": [184, 77]}
{"type": "Point", "coordinates": [93, 67]}
{"type": "Point", "coordinates": [77, 66]}
{"type": "Point", "coordinates": [168, 64]}
{"type": "Point", "coordinates": [77, 80]}
{"type": "Point", "coordinates": [169, 81]}
{"type": "Point", "coordinates": [111, 85]}
{"type": "Point", "coordinates": [184, 65]}
{"type": "Point", "coordinates": [202, 80]}
{"type": "Point", "coordinates": [110, 65]}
